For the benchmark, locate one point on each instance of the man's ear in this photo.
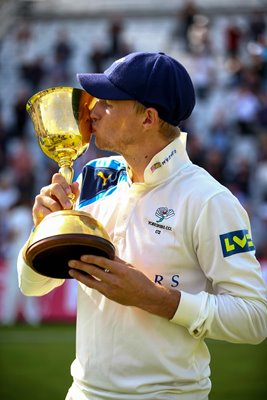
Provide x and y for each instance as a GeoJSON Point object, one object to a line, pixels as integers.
{"type": "Point", "coordinates": [151, 117]}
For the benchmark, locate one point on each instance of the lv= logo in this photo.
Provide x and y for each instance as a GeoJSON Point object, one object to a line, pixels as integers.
{"type": "Point", "coordinates": [236, 242]}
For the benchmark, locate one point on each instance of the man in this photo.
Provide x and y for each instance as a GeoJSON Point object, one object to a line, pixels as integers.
{"type": "Point", "coordinates": [185, 266]}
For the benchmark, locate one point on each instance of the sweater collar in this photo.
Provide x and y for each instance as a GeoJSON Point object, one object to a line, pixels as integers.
{"type": "Point", "coordinates": [167, 162]}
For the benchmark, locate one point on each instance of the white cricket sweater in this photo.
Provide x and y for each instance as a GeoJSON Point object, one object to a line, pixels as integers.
{"type": "Point", "coordinates": [185, 231]}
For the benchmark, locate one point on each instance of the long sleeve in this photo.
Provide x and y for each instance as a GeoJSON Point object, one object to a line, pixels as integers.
{"type": "Point", "coordinates": [31, 283]}
{"type": "Point", "coordinates": [234, 307]}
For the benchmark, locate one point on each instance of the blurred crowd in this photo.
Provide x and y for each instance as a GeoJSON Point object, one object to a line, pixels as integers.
{"type": "Point", "coordinates": [227, 133]}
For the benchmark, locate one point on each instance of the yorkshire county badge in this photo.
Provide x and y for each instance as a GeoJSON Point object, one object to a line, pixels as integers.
{"type": "Point", "coordinates": [236, 242]}
{"type": "Point", "coordinates": [164, 213]}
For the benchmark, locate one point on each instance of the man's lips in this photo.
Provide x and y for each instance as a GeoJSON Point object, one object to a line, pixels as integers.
{"type": "Point", "coordinates": [93, 128]}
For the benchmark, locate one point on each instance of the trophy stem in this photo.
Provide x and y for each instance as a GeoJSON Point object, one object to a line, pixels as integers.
{"type": "Point", "coordinates": [66, 169]}
{"type": "Point", "coordinates": [67, 172]}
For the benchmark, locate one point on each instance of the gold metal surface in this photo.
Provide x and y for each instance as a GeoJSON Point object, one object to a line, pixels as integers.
{"type": "Point", "coordinates": [69, 222]}
{"type": "Point", "coordinates": [61, 119]}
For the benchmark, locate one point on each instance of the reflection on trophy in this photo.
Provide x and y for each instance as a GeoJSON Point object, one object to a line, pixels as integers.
{"type": "Point", "coordinates": [61, 119]}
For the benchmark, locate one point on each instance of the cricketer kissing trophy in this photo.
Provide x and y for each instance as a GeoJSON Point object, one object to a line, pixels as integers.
{"type": "Point", "coordinates": [61, 119]}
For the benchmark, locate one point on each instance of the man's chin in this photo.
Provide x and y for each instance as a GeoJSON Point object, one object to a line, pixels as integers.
{"type": "Point", "coordinates": [102, 146]}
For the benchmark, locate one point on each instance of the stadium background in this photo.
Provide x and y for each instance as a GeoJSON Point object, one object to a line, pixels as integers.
{"type": "Point", "coordinates": [44, 43]}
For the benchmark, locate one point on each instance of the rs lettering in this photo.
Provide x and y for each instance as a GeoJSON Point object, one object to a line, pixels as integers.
{"type": "Point", "coordinates": [158, 279]}
{"type": "Point", "coordinates": [175, 281]}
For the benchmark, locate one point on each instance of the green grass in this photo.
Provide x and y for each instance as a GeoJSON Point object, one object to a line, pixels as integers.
{"type": "Point", "coordinates": [35, 364]}
{"type": "Point", "coordinates": [238, 371]}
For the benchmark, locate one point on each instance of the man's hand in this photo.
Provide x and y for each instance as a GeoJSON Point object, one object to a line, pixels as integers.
{"type": "Point", "coordinates": [53, 197]}
{"type": "Point", "coordinates": [123, 283]}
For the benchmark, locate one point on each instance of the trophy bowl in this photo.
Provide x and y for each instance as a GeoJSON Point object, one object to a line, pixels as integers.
{"type": "Point", "coordinates": [61, 119]}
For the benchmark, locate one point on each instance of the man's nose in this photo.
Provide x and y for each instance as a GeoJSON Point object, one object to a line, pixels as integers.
{"type": "Point", "coordinates": [94, 111]}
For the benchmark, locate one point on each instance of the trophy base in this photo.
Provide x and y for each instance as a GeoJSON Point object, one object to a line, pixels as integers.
{"type": "Point", "coordinates": [50, 256]}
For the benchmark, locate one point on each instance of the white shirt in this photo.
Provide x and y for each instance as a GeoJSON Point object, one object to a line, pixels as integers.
{"type": "Point", "coordinates": [185, 231]}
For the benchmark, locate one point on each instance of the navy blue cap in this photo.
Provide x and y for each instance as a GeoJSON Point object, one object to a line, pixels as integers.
{"type": "Point", "coordinates": [154, 79]}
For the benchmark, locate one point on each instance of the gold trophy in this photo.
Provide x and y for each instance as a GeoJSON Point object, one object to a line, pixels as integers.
{"type": "Point", "coordinates": [61, 119]}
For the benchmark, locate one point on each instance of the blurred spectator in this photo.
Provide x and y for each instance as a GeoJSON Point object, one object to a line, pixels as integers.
{"type": "Point", "coordinates": [8, 197]}
{"type": "Point", "coordinates": [256, 25]}
{"type": "Point", "coordinates": [262, 257]}
{"type": "Point", "coordinates": [219, 133]}
{"type": "Point", "coordinates": [195, 149]}
{"type": "Point", "coordinates": [22, 163]}
{"type": "Point", "coordinates": [62, 48]}
{"type": "Point", "coordinates": [20, 116]}
{"type": "Point", "coordinates": [198, 35]}
{"type": "Point", "coordinates": [62, 52]}
{"type": "Point", "coordinates": [260, 174]}
{"type": "Point", "coordinates": [3, 141]}
{"type": "Point", "coordinates": [33, 72]}
{"type": "Point", "coordinates": [258, 61]}
{"type": "Point", "coordinates": [96, 58]}
{"type": "Point", "coordinates": [262, 112]}
{"type": "Point", "coordinates": [214, 163]}
{"type": "Point", "coordinates": [24, 34]}
{"type": "Point", "coordinates": [233, 67]}
{"type": "Point", "coordinates": [3, 235]}
{"type": "Point", "coordinates": [8, 191]}
{"type": "Point", "coordinates": [250, 77]}
{"type": "Point", "coordinates": [13, 301]}
{"type": "Point", "coordinates": [203, 69]}
{"type": "Point", "coordinates": [233, 36]}
{"type": "Point", "coordinates": [245, 108]}
{"type": "Point", "coordinates": [24, 44]}
{"type": "Point", "coordinates": [185, 19]}
{"type": "Point", "coordinates": [239, 176]}
{"type": "Point", "coordinates": [29, 59]}
{"type": "Point", "coordinates": [117, 47]}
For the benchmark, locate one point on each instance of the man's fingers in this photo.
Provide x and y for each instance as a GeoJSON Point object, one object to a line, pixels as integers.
{"type": "Point", "coordinates": [88, 267]}
{"type": "Point", "coordinates": [58, 178]}
{"type": "Point", "coordinates": [75, 189]}
{"type": "Point", "coordinates": [95, 260]}
{"type": "Point", "coordinates": [42, 207]}
{"type": "Point", "coordinates": [54, 197]}
{"type": "Point", "coordinates": [56, 193]}
{"type": "Point", "coordinates": [90, 281]}
{"type": "Point", "coordinates": [89, 274]}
